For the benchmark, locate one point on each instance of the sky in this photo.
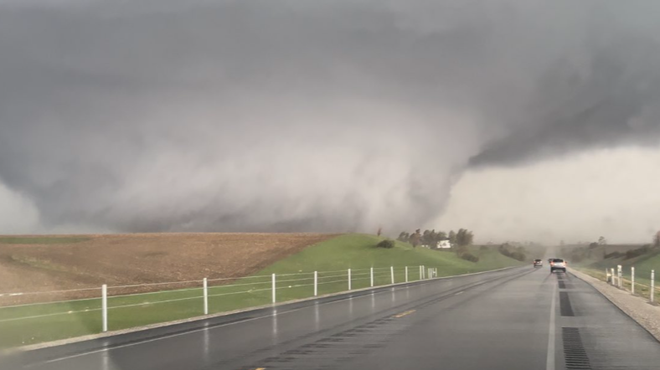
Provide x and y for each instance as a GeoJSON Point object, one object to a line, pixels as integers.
{"type": "Point", "coordinates": [505, 117]}
{"type": "Point", "coordinates": [605, 192]}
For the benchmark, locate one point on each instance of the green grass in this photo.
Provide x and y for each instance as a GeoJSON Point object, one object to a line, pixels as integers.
{"type": "Point", "coordinates": [642, 287]}
{"type": "Point", "coordinates": [643, 266]}
{"type": "Point", "coordinates": [331, 258]}
{"type": "Point", "coordinates": [356, 251]}
{"type": "Point", "coordinates": [42, 240]}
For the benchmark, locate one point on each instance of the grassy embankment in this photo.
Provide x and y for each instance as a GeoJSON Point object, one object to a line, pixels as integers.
{"type": "Point", "coordinates": [36, 323]}
{"type": "Point", "coordinates": [592, 261]}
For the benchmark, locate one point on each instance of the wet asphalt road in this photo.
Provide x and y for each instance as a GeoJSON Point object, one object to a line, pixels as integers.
{"type": "Point", "coordinates": [522, 318]}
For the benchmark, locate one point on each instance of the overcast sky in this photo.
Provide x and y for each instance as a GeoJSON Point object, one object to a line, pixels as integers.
{"type": "Point", "coordinates": [506, 117]}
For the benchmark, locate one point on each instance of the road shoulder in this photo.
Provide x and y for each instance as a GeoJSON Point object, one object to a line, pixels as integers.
{"type": "Point", "coordinates": [638, 308]}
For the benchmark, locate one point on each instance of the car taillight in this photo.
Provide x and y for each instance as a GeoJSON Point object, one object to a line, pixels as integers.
{"type": "Point", "coordinates": [552, 263]}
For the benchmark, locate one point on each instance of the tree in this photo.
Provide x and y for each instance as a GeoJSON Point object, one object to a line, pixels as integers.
{"type": "Point", "coordinates": [464, 237]}
{"type": "Point", "coordinates": [656, 240]}
{"type": "Point", "coordinates": [452, 237]}
{"type": "Point", "coordinates": [427, 237]}
{"type": "Point", "coordinates": [430, 238]}
{"type": "Point", "coordinates": [416, 238]}
{"type": "Point", "coordinates": [602, 240]}
{"type": "Point", "coordinates": [380, 230]}
{"type": "Point", "coordinates": [469, 238]}
{"type": "Point", "coordinates": [460, 237]}
{"type": "Point", "coordinates": [403, 237]}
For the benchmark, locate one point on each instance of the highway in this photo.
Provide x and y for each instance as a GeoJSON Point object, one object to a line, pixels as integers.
{"type": "Point", "coordinates": [520, 318]}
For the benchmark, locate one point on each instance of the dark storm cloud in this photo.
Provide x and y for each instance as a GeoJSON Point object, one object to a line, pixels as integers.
{"type": "Point", "coordinates": [610, 101]}
{"type": "Point", "coordinates": [298, 115]}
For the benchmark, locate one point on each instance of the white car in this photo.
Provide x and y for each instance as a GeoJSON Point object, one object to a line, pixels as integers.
{"type": "Point", "coordinates": [558, 264]}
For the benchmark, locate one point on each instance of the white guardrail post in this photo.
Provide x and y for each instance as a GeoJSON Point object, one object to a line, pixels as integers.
{"type": "Point", "coordinates": [632, 280]}
{"type": "Point", "coordinates": [613, 277]}
{"type": "Point", "coordinates": [316, 283]}
{"type": "Point", "coordinates": [406, 274]}
{"type": "Point", "coordinates": [392, 273]}
{"type": "Point", "coordinates": [371, 272]}
{"type": "Point", "coordinates": [652, 285]}
{"type": "Point", "coordinates": [274, 290]}
{"type": "Point", "coordinates": [607, 275]}
{"type": "Point", "coordinates": [104, 306]}
{"type": "Point", "coordinates": [206, 296]}
{"type": "Point", "coordinates": [619, 274]}
{"type": "Point", "coordinates": [349, 279]}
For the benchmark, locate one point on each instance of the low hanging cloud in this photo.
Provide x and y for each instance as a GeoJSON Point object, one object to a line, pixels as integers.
{"type": "Point", "coordinates": [307, 116]}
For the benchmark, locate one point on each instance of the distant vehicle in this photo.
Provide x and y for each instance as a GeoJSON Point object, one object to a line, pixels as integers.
{"type": "Point", "coordinates": [558, 264]}
{"type": "Point", "coordinates": [538, 262]}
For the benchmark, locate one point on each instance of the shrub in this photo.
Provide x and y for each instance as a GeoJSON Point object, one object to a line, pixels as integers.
{"type": "Point", "coordinates": [519, 256]}
{"type": "Point", "coordinates": [470, 257]}
{"type": "Point", "coordinates": [387, 243]}
{"type": "Point", "coordinates": [615, 254]}
{"type": "Point", "coordinates": [637, 252]}
{"type": "Point", "coordinates": [464, 253]}
{"type": "Point", "coordinates": [513, 252]}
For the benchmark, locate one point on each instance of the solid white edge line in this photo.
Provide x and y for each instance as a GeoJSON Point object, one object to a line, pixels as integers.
{"type": "Point", "coordinates": [550, 359]}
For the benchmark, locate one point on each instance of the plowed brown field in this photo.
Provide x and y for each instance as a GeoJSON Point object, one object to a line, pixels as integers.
{"type": "Point", "coordinates": [44, 264]}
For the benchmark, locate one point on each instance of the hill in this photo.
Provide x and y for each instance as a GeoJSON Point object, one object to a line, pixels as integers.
{"type": "Point", "coordinates": [357, 251]}
{"type": "Point", "coordinates": [594, 260]}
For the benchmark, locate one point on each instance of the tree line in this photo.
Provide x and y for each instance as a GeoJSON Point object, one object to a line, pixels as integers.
{"type": "Point", "coordinates": [516, 252]}
{"type": "Point", "coordinates": [460, 238]}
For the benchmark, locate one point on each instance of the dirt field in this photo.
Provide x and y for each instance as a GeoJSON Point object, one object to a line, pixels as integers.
{"type": "Point", "coordinates": [30, 264]}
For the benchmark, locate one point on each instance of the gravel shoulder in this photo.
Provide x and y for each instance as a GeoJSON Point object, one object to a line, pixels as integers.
{"type": "Point", "coordinates": [638, 308]}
